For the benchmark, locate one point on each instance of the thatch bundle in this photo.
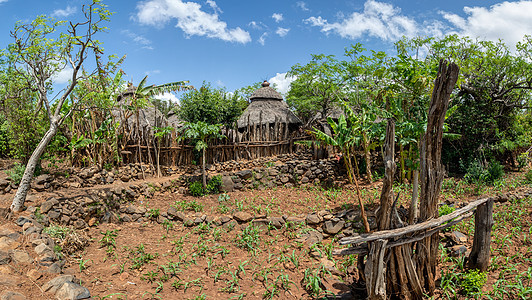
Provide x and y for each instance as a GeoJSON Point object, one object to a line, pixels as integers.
{"type": "Point", "coordinates": [267, 107]}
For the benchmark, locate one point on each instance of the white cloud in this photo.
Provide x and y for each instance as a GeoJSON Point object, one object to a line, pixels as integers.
{"type": "Point", "coordinates": [2, 1]}
{"type": "Point", "coordinates": [214, 6]}
{"type": "Point", "coordinates": [138, 39]}
{"type": "Point", "coordinates": [282, 31]}
{"type": "Point", "coordinates": [302, 5]}
{"type": "Point", "coordinates": [190, 18]}
{"type": "Point", "coordinates": [282, 82]}
{"type": "Point", "coordinates": [262, 39]}
{"type": "Point", "coordinates": [64, 76]}
{"type": "Point", "coordinates": [381, 20]}
{"type": "Point", "coordinates": [220, 83]}
{"type": "Point", "coordinates": [277, 17]}
{"type": "Point", "coordinates": [63, 13]}
{"type": "Point", "coordinates": [257, 25]}
{"type": "Point", "coordinates": [167, 97]}
{"type": "Point", "coordinates": [506, 20]}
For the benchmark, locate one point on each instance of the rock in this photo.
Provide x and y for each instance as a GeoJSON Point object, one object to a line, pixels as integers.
{"type": "Point", "coordinates": [43, 178]}
{"type": "Point", "coordinates": [42, 248]}
{"type": "Point", "coordinates": [80, 224]}
{"type": "Point", "coordinates": [313, 219]}
{"type": "Point", "coordinates": [9, 295]}
{"type": "Point", "coordinates": [172, 212]}
{"type": "Point", "coordinates": [46, 206]}
{"type": "Point", "coordinates": [4, 183]}
{"type": "Point", "coordinates": [311, 238]}
{"type": "Point", "coordinates": [261, 222]}
{"type": "Point", "coordinates": [458, 237]}
{"type": "Point", "coordinates": [21, 257]}
{"type": "Point", "coordinates": [242, 216]}
{"type": "Point", "coordinates": [34, 274]}
{"type": "Point", "coordinates": [10, 233]}
{"type": "Point", "coordinates": [53, 285]}
{"type": "Point", "coordinates": [294, 220]}
{"type": "Point", "coordinates": [92, 221]}
{"type": "Point", "coordinates": [54, 268]}
{"type": "Point", "coordinates": [332, 227]}
{"type": "Point", "coordinates": [72, 291]}
{"type": "Point", "coordinates": [5, 258]}
{"type": "Point", "coordinates": [245, 174]}
{"type": "Point", "coordinates": [53, 214]}
{"type": "Point", "coordinates": [225, 219]}
{"type": "Point", "coordinates": [227, 184]}
{"type": "Point", "coordinates": [458, 250]}
{"type": "Point", "coordinates": [7, 243]}
{"type": "Point", "coordinates": [23, 220]}
{"type": "Point", "coordinates": [277, 222]}
{"type": "Point", "coordinates": [330, 266]}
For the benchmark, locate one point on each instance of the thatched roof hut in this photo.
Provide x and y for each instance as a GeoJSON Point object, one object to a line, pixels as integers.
{"type": "Point", "coordinates": [267, 107]}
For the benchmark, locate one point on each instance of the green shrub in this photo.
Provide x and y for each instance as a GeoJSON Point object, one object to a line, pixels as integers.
{"type": "Point", "coordinates": [477, 172]}
{"type": "Point", "coordinates": [213, 186]}
{"type": "Point", "coordinates": [15, 173]}
{"type": "Point", "coordinates": [473, 281]}
{"type": "Point", "coordinates": [196, 189]}
{"type": "Point", "coordinates": [445, 210]}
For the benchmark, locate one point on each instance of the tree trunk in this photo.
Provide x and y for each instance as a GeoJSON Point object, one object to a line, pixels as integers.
{"type": "Point", "coordinates": [204, 176]}
{"type": "Point", "coordinates": [414, 212]}
{"type": "Point", "coordinates": [386, 199]}
{"type": "Point", "coordinates": [25, 183]}
{"type": "Point", "coordinates": [432, 171]}
{"type": "Point", "coordinates": [367, 155]}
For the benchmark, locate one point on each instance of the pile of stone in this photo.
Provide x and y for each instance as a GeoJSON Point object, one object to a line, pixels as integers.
{"type": "Point", "coordinates": [43, 256]}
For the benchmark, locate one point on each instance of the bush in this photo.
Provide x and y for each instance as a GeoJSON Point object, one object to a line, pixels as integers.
{"type": "Point", "coordinates": [445, 210]}
{"type": "Point", "coordinates": [477, 172]}
{"type": "Point", "coordinates": [473, 281]}
{"type": "Point", "coordinates": [213, 187]}
{"type": "Point", "coordinates": [196, 189]}
{"type": "Point", "coordinates": [16, 173]}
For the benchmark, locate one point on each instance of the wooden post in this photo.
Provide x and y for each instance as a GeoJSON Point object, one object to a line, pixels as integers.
{"type": "Point", "coordinates": [375, 272]}
{"type": "Point", "coordinates": [431, 174]}
{"type": "Point", "coordinates": [480, 254]}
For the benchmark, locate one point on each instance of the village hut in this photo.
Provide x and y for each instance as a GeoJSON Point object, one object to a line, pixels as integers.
{"type": "Point", "coordinates": [267, 126]}
{"type": "Point", "coordinates": [269, 115]}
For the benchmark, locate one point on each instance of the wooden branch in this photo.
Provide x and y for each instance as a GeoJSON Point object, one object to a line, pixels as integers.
{"type": "Point", "coordinates": [429, 224]}
{"type": "Point", "coordinates": [363, 248]}
{"type": "Point", "coordinates": [480, 254]}
{"type": "Point", "coordinates": [375, 271]}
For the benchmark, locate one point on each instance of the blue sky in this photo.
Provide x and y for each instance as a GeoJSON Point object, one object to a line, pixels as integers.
{"type": "Point", "coordinates": [236, 43]}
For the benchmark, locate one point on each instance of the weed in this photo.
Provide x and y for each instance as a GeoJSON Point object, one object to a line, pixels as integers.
{"type": "Point", "coordinates": [108, 241]}
{"type": "Point", "coordinates": [153, 213]}
{"type": "Point", "coordinates": [16, 172]}
{"type": "Point", "coordinates": [139, 257]}
{"type": "Point", "coordinates": [312, 279]}
{"type": "Point", "coordinates": [184, 205]}
{"type": "Point", "coordinates": [249, 238]}
{"type": "Point", "coordinates": [472, 282]}
{"type": "Point", "coordinates": [83, 264]}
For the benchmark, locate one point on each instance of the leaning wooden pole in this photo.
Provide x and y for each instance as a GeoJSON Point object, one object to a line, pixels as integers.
{"type": "Point", "coordinates": [432, 171]}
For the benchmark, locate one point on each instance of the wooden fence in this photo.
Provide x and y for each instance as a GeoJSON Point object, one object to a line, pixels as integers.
{"type": "Point", "coordinates": [376, 244]}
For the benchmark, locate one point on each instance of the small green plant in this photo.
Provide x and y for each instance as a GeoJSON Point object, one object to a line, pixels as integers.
{"type": "Point", "coordinates": [477, 172]}
{"type": "Point", "coordinates": [153, 213]}
{"type": "Point", "coordinates": [249, 238]}
{"type": "Point", "coordinates": [83, 264]}
{"type": "Point", "coordinates": [108, 241]}
{"type": "Point", "coordinates": [196, 189]}
{"type": "Point", "coordinates": [16, 172]}
{"type": "Point", "coordinates": [184, 205]}
{"type": "Point", "coordinates": [472, 282]}
{"type": "Point", "coordinates": [445, 210]}
{"type": "Point", "coordinates": [139, 257]}
{"type": "Point", "coordinates": [528, 176]}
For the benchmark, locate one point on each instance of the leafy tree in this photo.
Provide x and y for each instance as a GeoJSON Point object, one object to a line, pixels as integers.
{"type": "Point", "coordinates": [200, 133]}
{"type": "Point", "coordinates": [318, 86]}
{"type": "Point", "coordinates": [211, 106]}
{"type": "Point", "coordinates": [491, 109]}
{"type": "Point", "coordinates": [40, 52]}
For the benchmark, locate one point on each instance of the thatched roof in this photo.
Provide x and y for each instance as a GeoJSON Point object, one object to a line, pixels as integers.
{"type": "Point", "coordinates": [174, 120]}
{"type": "Point", "coordinates": [267, 107]}
{"type": "Point", "coordinates": [265, 93]}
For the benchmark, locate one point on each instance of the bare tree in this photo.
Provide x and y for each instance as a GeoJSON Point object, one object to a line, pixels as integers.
{"type": "Point", "coordinates": [40, 52]}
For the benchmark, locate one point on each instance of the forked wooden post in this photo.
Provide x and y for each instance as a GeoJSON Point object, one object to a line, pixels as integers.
{"type": "Point", "coordinates": [480, 254]}
{"type": "Point", "coordinates": [375, 270]}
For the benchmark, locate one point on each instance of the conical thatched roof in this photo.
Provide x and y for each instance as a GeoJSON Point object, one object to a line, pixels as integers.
{"type": "Point", "coordinates": [267, 107]}
{"type": "Point", "coordinates": [265, 93]}
{"type": "Point", "coordinates": [174, 120]}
